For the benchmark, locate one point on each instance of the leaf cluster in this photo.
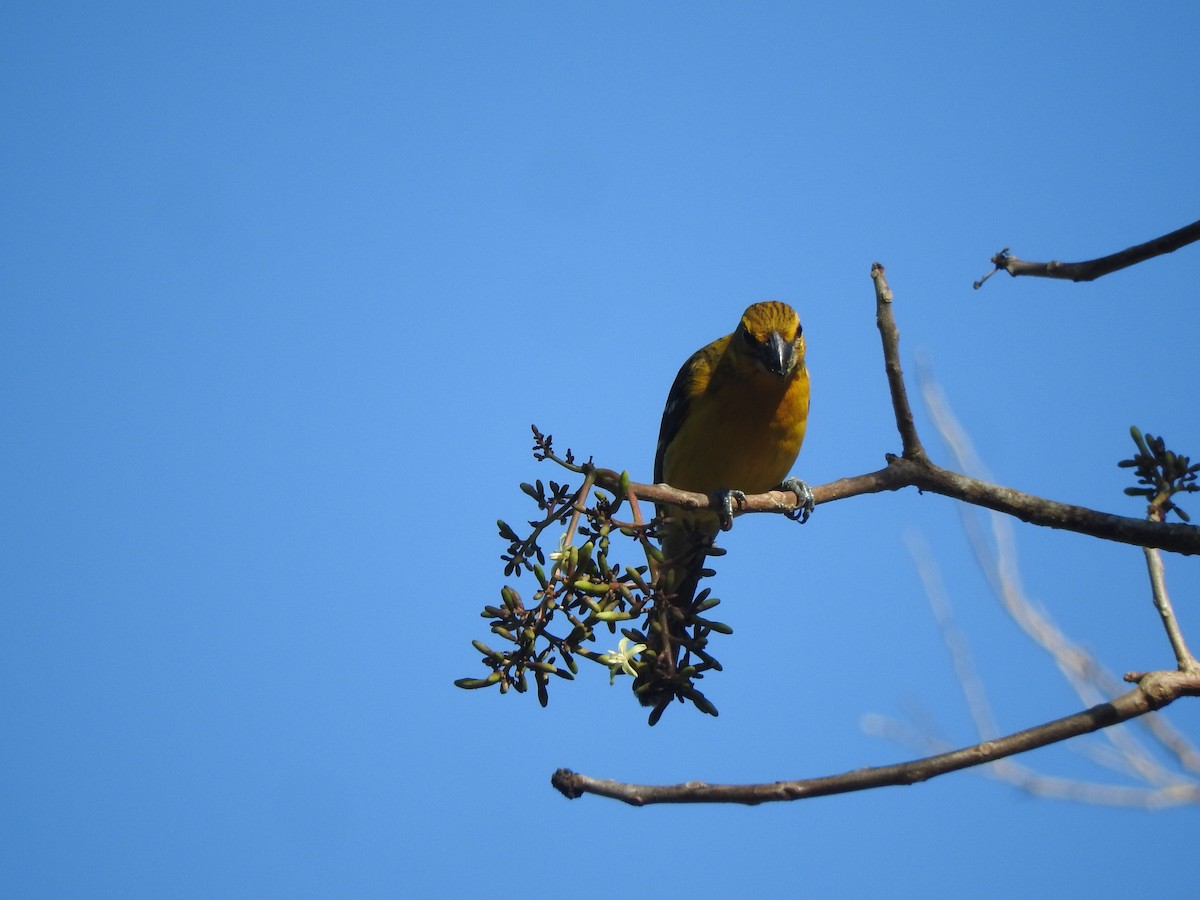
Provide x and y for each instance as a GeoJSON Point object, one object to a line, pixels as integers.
{"type": "Point", "coordinates": [583, 594]}
{"type": "Point", "coordinates": [1162, 474]}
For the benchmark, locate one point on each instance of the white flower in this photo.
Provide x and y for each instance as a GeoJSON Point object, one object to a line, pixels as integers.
{"type": "Point", "coordinates": [560, 555]}
{"type": "Point", "coordinates": [621, 659]}
{"type": "Point", "coordinates": [563, 546]}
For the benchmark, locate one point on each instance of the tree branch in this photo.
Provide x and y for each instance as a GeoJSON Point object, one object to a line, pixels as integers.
{"type": "Point", "coordinates": [1162, 602]}
{"type": "Point", "coordinates": [925, 476]}
{"type": "Point", "coordinates": [890, 336]}
{"type": "Point", "coordinates": [1009, 771]}
{"type": "Point", "coordinates": [1094, 268]}
{"type": "Point", "coordinates": [1154, 691]}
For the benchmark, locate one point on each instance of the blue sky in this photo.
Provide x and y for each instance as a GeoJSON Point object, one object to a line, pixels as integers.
{"type": "Point", "coordinates": [283, 287]}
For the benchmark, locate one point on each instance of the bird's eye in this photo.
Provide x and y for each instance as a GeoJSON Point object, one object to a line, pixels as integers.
{"type": "Point", "coordinates": [748, 337]}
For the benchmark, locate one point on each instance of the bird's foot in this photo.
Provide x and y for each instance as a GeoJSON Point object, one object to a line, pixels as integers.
{"type": "Point", "coordinates": [805, 501]}
{"type": "Point", "coordinates": [726, 498]}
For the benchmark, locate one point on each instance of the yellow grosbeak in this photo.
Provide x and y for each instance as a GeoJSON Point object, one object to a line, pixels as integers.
{"type": "Point", "coordinates": [733, 424]}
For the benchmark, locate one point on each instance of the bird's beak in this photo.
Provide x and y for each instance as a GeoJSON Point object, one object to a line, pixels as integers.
{"type": "Point", "coordinates": [779, 355]}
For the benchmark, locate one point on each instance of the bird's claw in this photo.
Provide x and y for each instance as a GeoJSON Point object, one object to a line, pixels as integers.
{"type": "Point", "coordinates": [805, 501]}
{"type": "Point", "coordinates": [726, 498]}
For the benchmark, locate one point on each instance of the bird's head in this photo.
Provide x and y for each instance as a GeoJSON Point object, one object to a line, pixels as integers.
{"type": "Point", "coordinates": [770, 333]}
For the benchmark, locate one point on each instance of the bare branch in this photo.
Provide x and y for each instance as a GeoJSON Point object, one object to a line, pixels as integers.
{"type": "Point", "coordinates": [1154, 691]}
{"type": "Point", "coordinates": [925, 476]}
{"type": "Point", "coordinates": [890, 336]}
{"type": "Point", "coordinates": [1094, 268]}
{"type": "Point", "coordinates": [1162, 602]}
{"type": "Point", "coordinates": [1174, 793]}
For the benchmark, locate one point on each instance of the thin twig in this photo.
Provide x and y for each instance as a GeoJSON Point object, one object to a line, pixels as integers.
{"type": "Point", "coordinates": [1094, 268]}
{"type": "Point", "coordinates": [579, 504]}
{"type": "Point", "coordinates": [890, 336]}
{"type": "Point", "coordinates": [1162, 602]}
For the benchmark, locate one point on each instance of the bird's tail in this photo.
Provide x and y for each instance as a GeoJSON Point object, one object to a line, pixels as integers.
{"type": "Point", "coordinates": [685, 545]}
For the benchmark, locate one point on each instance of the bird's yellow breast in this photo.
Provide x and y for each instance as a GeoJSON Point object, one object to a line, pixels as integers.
{"type": "Point", "coordinates": [745, 434]}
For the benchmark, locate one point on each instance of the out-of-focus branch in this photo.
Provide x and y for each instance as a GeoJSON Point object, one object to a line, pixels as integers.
{"type": "Point", "coordinates": [1154, 691]}
{"type": "Point", "coordinates": [954, 639]}
{"type": "Point", "coordinates": [1160, 786]}
{"type": "Point", "coordinates": [1093, 268]}
{"type": "Point", "coordinates": [1090, 680]}
{"type": "Point", "coordinates": [997, 560]}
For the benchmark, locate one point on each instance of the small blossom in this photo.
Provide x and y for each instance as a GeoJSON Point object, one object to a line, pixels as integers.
{"type": "Point", "coordinates": [562, 548]}
{"type": "Point", "coordinates": [621, 659]}
{"type": "Point", "coordinates": [560, 555]}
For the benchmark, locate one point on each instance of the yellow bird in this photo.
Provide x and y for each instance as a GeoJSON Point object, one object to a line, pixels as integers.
{"type": "Point", "coordinates": [733, 424]}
